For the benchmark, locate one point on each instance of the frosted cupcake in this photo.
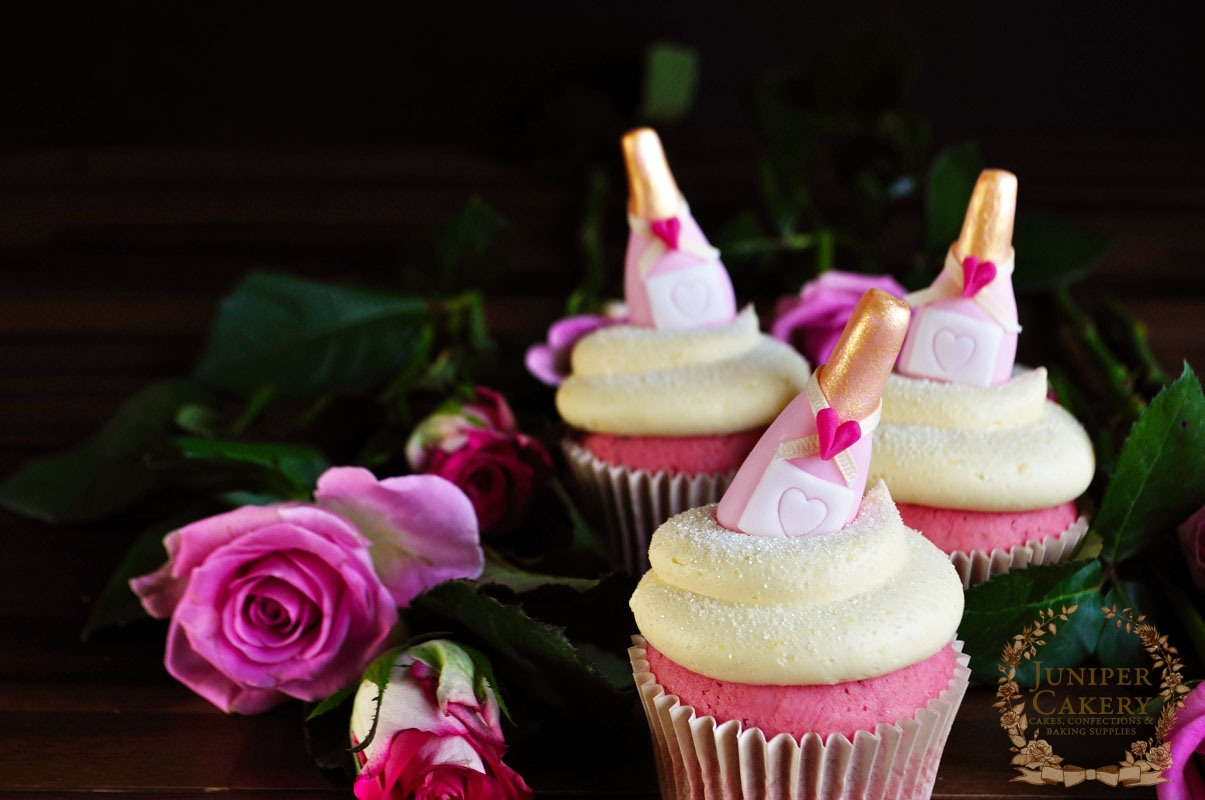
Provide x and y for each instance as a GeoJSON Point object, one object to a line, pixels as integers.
{"type": "Point", "coordinates": [797, 640]}
{"type": "Point", "coordinates": [977, 457]}
{"type": "Point", "coordinates": [665, 408]}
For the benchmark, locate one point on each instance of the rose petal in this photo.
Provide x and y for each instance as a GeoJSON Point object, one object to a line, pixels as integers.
{"type": "Point", "coordinates": [1186, 741]}
{"type": "Point", "coordinates": [196, 673]}
{"type": "Point", "coordinates": [423, 528]}
{"type": "Point", "coordinates": [542, 362]}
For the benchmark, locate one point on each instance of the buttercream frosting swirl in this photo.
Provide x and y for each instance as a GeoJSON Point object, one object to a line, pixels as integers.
{"type": "Point", "coordinates": [635, 381]}
{"type": "Point", "coordinates": [994, 448]}
{"type": "Point", "coordinates": [869, 599]}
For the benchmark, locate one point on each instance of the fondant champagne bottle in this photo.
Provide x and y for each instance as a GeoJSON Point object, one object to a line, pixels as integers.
{"type": "Point", "coordinates": [807, 473]}
{"type": "Point", "coordinates": [964, 327]}
{"type": "Point", "coordinates": [673, 278]}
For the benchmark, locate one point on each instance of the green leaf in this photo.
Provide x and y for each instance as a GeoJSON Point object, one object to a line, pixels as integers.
{"type": "Point", "coordinates": [671, 76]}
{"type": "Point", "coordinates": [117, 604]}
{"type": "Point", "coordinates": [106, 474]}
{"type": "Point", "coordinates": [331, 703]}
{"type": "Point", "coordinates": [377, 673]}
{"type": "Point", "coordinates": [951, 181]}
{"type": "Point", "coordinates": [1160, 477]}
{"type": "Point", "coordinates": [500, 573]}
{"type": "Point", "coordinates": [585, 538]}
{"type": "Point", "coordinates": [997, 611]}
{"type": "Point", "coordinates": [1053, 252]}
{"type": "Point", "coordinates": [466, 240]}
{"type": "Point", "coordinates": [310, 339]}
{"type": "Point", "coordinates": [532, 657]}
{"type": "Point", "coordinates": [299, 464]}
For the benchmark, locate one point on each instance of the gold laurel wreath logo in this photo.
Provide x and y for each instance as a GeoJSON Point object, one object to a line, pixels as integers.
{"type": "Point", "coordinates": [1145, 761]}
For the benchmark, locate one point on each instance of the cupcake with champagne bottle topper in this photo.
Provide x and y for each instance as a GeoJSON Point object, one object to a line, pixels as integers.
{"type": "Point", "coordinates": [974, 453]}
{"type": "Point", "coordinates": [664, 408]}
{"type": "Point", "coordinates": [797, 640]}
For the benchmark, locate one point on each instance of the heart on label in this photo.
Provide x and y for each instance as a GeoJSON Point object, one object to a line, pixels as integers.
{"type": "Point", "coordinates": [834, 437]}
{"type": "Point", "coordinates": [975, 275]}
{"type": "Point", "coordinates": [690, 298]}
{"type": "Point", "coordinates": [667, 230]}
{"type": "Point", "coordinates": [799, 514]}
{"type": "Point", "coordinates": [951, 350]}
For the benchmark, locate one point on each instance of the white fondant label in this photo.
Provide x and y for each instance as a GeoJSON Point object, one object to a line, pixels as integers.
{"type": "Point", "coordinates": [690, 297]}
{"type": "Point", "coordinates": [790, 502]}
{"type": "Point", "coordinates": [952, 347]}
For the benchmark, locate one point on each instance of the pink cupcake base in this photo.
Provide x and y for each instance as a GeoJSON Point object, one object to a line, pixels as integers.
{"type": "Point", "coordinates": [701, 759]}
{"type": "Point", "coordinates": [633, 502]}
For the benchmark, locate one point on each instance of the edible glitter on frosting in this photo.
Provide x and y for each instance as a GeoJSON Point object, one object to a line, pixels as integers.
{"type": "Point", "coordinates": [997, 448]}
{"type": "Point", "coordinates": [635, 381]}
{"type": "Point", "coordinates": [864, 601]}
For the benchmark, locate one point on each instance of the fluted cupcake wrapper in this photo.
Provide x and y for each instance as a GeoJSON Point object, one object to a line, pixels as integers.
{"type": "Point", "coordinates": [978, 566]}
{"type": "Point", "coordinates": [633, 502]}
{"type": "Point", "coordinates": [700, 760]}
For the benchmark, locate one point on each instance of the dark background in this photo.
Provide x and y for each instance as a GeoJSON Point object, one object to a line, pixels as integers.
{"type": "Point", "coordinates": [486, 75]}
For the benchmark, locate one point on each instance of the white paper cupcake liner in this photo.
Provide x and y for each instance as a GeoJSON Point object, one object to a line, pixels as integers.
{"type": "Point", "coordinates": [978, 567]}
{"type": "Point", "coordinates": [633, 502]}
{"type": "Point", "coordinates": [700, 760]}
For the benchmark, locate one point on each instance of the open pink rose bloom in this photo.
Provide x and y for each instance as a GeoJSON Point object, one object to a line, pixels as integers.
{"type": "Point", "coordinates": [294, 600]}
{"type": "Point", "coordinates": [812, 322]}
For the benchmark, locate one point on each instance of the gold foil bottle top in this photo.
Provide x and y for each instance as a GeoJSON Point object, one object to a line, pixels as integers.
{"type": "Point", "coordinates": [987, 229]}
{"type": "Point", "coordinates": [652, 191]}
{"type": "Point", "coordinates": [856, 372]}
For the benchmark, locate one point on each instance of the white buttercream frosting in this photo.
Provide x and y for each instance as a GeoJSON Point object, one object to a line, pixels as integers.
{"type": "Point", "coordinates": [635, 381]}
{"type": "Point", "coordinates": [870, 599]}
{"type": "Point", "coordinates": [995, 448]}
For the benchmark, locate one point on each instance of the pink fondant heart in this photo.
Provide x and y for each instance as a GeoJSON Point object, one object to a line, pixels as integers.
{"type": "Point", "coordinates": [690, 298]}
{"type": "Point", "coordinates": [799, 514]}
{"type": "Point", "coordinates": [667, 230]}
{"type": "Point", "coordinates": [951, 350]}
{"type": "Point", "coordinates": [975, 275]}
{"type": "Point", "coordinates": [834, 437]}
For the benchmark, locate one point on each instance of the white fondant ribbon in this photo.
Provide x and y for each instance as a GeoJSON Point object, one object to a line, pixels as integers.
{"type": "Point", "coordinates": [657, 247]}
{"type": "Point", "coordinates": [806, 446]}
{"type": "Point", "coordinates": [953, 288]}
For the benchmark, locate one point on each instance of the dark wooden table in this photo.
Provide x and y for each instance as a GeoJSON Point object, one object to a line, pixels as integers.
{"type": "Point", "coordinates": [112, 265]}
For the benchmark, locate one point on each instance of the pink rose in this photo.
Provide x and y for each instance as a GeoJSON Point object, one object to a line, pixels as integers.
{"type": "Point", "coordinates": [500, 474]}
{"type": "Point", "coordinates": [268, 603]}
{"type": "Point", "coordinates": [1185, 745]}
{"type": "Point", "coordinates": [423, 529]}
{"type": "Point", "coordinates": [813, 321]}
{"type": "Point", "coordinates": [1192, 540]}
{"type": "Point", "coordinates": [446, 428]}
{"type": "Point", "coordinates": [437, 730]}
{"type": "Point", "coordinates": [549, 362]}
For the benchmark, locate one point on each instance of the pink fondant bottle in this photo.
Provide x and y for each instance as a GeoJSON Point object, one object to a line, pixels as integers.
{"type": "Point", "coordinates": [807, 473]}
{"type": "Point", "coordinates": [673, 278]}
{"type": "Point", "coordinates": [964, 327]}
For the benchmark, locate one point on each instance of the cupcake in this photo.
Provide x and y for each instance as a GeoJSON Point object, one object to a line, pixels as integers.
{"type": "Point", "coordinates": [797, 640]}
{"type": "Point", "coordinates": [666, 407]}
{"type": "Point", "coordinates": [976, 456]}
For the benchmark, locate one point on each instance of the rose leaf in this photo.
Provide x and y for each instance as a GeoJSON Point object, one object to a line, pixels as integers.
{"type": "Point", "coordinates": [951, 180]}
{"type": "Point", "coordinates": [1160, 477]}
{"type": "Point", "coordinates": [997, 611]}
{"type": "Point", "coordinates": [1056, 252]}
{"type": "Point", "coordinates": [310, 339]}
{"type": "Point", "coordinates": [106, 474]}
{"type": "Point", "coordinates": [298, 464]}
{"type": "Point", "coordinates": [531, 657]}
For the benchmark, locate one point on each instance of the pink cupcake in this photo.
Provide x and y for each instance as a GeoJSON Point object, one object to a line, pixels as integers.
{"type": "Point", "coordinates": [666, 407]}
{"type": "Point", "coordinates": [975, 454]}
{"type": "Point", "coordinates": [797, 640]}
